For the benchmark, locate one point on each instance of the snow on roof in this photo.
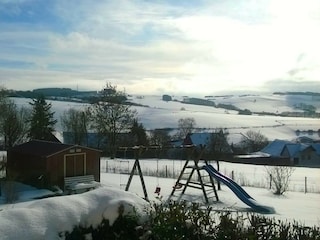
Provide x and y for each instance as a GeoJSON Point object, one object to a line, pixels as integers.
{"type": "Point", "coordinates": [46, 218]}
{"type": "Point", "coordinates": [254, 155]}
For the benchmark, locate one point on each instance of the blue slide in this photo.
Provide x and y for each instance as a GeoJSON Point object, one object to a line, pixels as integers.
{"type": "Point", "coordinates": [238, 190]}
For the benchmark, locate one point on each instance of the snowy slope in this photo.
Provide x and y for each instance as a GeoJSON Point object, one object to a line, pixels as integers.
{"type": "Point", "coordinates": [161, 114]}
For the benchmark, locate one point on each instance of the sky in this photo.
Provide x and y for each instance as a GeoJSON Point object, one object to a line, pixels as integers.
{"type": "Point", "coordinates": [195, 47]}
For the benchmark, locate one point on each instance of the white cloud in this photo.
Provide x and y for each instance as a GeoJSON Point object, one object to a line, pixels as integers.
{"type": "Point", "coordinates": [147, 46]}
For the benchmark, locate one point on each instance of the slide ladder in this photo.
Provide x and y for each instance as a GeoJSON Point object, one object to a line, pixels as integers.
{"type": "Point", "coordinates": [195, 178]}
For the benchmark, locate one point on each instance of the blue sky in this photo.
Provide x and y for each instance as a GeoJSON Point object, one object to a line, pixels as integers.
{"type": "Point", "coordinates": [151, 47]}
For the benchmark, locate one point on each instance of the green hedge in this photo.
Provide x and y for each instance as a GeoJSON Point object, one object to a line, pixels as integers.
{"type": "Point", "coordinates": [191, 221]}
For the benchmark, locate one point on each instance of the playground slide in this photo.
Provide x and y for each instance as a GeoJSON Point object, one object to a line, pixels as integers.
{"type": "Point", "coordinates": [231, 181]}
{"type": "Point", "coordinates": [238, 190]}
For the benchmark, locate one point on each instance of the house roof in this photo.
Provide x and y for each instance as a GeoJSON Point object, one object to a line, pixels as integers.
{"type": "Point", "coordinates": [316, 147]}
{"type": "Point", "coordinates": [42, 148]}
{"type": "Point", "coordinates": [275, 148]}
{"type": "Point", "coordinates": [278, 147]}
{"type": "Point", "coordinates": [295, 148]}
{"type": "Point", "coordinates": [197, 139]}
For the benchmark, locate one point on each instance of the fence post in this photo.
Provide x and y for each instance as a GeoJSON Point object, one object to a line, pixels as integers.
{"type": "Point", "coordinates": [270, 182]}
{"type": "Point", "coordinates": [166, 171]}
{"type": "Point", "coordinates": [106, 166]}
{"type": "Point", "coordinates": [305, 184]}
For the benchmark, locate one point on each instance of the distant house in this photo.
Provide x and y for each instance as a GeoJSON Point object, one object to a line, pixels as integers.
{"type": "Point", "coordinates": [197, 139]}
{"type": "Point", "coordinates": [306, 154]}
{"type": "Point", "coordinates": [92, 140]}
{"type": "Point", "coordinates": [210, 140]}
{"type": "Point", "coordinates": [45, 164]}
{"type": "Point", "coordinates": [287, 153]}
{"type": "Point", "coordinates": [98, 141]}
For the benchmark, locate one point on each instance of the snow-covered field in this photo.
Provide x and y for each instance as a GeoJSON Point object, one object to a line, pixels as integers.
{"type": "Point", "coordinates": [302, 179]}
{"type": "Point", "coordinates": [161, 114]}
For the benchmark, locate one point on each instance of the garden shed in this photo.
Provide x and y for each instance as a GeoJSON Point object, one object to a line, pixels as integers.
{"type": "Point", "coordinates": [46, 164]}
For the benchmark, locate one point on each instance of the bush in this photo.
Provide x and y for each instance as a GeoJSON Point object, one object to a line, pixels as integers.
{"type": "Point", "coordinates": [280, 177]}
{"type": "Point", "coordinates": [124, 227]}
{"type": "Point", "coordinates": [191, 221]}
{"type": "Point", "coordinates": [180, 221]}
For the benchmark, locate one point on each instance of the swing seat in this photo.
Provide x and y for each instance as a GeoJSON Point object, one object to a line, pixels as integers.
{"type": "Point", "coordinates": [158, 189]}
{"type": "Point", "coordinates": [178, 186]}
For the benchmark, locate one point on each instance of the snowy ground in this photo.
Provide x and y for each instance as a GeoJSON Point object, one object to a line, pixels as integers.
{"type": "Point", "coordinates": [293, 205]}
{"type": "Point", "coordinates": [45, 218]}
{"type": "Point", "coordinates": [297, 206]}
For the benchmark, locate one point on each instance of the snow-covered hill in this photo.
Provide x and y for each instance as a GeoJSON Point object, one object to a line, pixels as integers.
{"type": "Point", "coordinates": [162, 114]}
{"type": "Point", "coordinates": [156, 113]}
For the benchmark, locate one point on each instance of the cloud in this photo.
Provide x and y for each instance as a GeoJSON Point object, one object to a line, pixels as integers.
{"type": "Point", "coordinates": [148, 46]}
{"type": "Point", "coordinates": [290, 85]}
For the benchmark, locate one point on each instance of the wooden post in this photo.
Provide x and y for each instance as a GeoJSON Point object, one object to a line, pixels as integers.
{"type": "Point", "coordinates": [137, 153]}
{"type": "Point", "coordinates": [166, 171]}
{"type": "Point", "coordinates": [305, 185]}
{"type": "Point", "coordinates": [218, 182]}
{"type": "Point", "coordinates": [200, 184]}
{"type": "Point", "coordinates": [270, 182]}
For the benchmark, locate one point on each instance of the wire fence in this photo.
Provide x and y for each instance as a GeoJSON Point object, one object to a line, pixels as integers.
{"type": "Point", "coordinates": [302, 179]}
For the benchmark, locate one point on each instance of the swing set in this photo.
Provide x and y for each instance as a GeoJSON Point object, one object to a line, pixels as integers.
{"type": "Point", "coordinates": [138, 151]}
{"type": "Point", "coordinates": [180, 184]}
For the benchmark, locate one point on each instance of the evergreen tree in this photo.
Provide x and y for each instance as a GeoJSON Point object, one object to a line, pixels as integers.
{"type": "Point", "coordinates": [41, 121]}
{"type": "Point", "coordinates": [138, 132]}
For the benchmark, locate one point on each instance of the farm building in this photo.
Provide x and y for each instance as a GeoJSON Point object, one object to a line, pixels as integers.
{"type": "Point", "coordinates": [46, 164]}
{"type": "Point", "coordinates": [282, 152]}
{"type": "Point", "coordinates": [304, 154]}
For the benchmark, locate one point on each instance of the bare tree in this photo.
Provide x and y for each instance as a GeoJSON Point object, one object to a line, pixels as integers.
{"type": "Point", "coordinates": [159, 137]}
{"type": "Point", "coordinates": [13, 121]}
{"type": "Point", "coordinates": [253, 141]}
{"type": "Point", "coordinates": [185, 126]}
{"type": "Point", "coordinates": [14, 124]}
{"type": "Point", "coordinates": [280, 178]}
{"type": "Point", "coordinates": [76, 122]}
{"type": "Point", "coordinates": [219, 147]}
{"type": "Point", "coordinates": [111, 116]}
